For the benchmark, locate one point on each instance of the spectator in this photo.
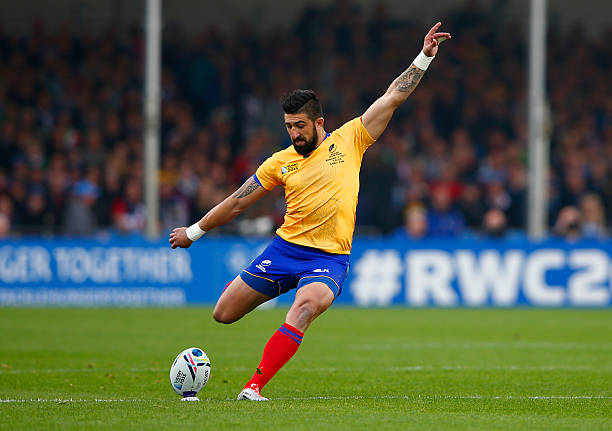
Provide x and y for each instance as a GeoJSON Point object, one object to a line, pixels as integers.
{"type": "Point", "coordinates": [6, 206]}
{"type": "Point", "coordinates": [574, 186]}
{"type": "Point", "coordinates": [517, 192]}
{"type": "Point", "coordinates": [174, 210]}
{"type": "Point", "coordinates": [80, 218]}
{"type": "Point", "coordinates": [128, 210]}
{"type": "Point", "coordinates": [569, 224]}
{"type": "Point", "coordinates": [35, 215]}
{"type": "Point", "coordinates": [5, 226]}
{"type": "Point", "coordinates": [443, 220]}
{"type": "Point", "coordinates": [593, 221]}
{"type": "Point", "coordinates": [94, 154]}
{"type": "Point", "coordinates": [415, 223]}
{"type": "Point", "coordinates": [494, 223]}
{"type": "Point", "coordinates": [471, 205]}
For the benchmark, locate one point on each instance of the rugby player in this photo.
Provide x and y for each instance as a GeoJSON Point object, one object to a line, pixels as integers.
{"type": "Point", "coordinates": [310, 253]}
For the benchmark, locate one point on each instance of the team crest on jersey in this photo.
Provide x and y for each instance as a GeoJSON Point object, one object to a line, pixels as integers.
{"type": "Point", "coordinates": [291, 167]}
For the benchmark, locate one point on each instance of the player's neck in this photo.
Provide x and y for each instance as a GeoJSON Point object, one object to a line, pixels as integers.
{"type": "Point", "coordinates": [322, 136]}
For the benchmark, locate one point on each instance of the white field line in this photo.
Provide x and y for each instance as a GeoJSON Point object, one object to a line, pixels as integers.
{"type": "Point", "coordinates": [406, 368]}
{"type": "Point", "coordinates": [339, 398]}
{"type": "Point", "coordinates": [454, 397]}
{"type": "Point", "coordinates": [417, 368]}
{"type": "Point", "coordinates": [482, 345]}
{"type": "Point", "coordinates": [71, 400]}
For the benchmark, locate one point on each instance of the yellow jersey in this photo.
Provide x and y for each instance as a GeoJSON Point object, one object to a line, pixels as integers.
{"type": "Point", "coordinates": [321, 189]}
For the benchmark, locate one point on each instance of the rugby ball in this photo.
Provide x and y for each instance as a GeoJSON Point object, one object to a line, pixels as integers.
{"type": "Point", "coordinates": [190, 372]}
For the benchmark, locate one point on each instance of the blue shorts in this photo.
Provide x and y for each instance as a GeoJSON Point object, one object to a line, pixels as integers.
{"type": "Point", "coordinates": [284, 266]}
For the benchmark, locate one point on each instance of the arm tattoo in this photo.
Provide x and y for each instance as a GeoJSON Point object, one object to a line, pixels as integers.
{"type": "Point", "coordinates": [408, 80]}
{"type": "Point", "coordinates": [247, 188]}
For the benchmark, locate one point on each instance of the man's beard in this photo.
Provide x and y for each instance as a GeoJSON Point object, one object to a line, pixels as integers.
{"type": "Point", "coordinates": [307, 147]}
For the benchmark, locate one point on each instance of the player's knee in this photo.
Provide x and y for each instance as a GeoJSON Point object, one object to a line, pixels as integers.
{"type": "Point", "coordinates": [314, 302]}
{"type": "Point", "coordinates": [223, 315]}
{"type": "Point", "coordinates": [308, 309]}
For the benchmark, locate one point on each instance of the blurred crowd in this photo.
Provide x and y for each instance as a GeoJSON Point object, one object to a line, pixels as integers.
{"type": "Point", "coordinates": [451, 163]}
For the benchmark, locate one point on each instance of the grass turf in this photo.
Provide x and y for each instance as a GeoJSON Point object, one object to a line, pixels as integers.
{"type": "Point", "coordinates": [436, 369]}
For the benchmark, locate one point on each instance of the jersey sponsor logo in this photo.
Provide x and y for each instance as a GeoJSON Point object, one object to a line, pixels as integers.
{"type": "Point", "coordinates": [321, 270]}
{"type": "Point", "coordinates": [291, 167]}
{"type": "Point", "coordinates": [332, 147]}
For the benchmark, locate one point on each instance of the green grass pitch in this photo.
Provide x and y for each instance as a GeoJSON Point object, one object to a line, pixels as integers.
{"type": "Point", "coordinates": [425, 369]}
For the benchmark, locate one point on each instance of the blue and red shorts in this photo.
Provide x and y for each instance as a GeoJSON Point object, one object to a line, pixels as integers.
{"type": "Point", "coordinates": [283, 266]}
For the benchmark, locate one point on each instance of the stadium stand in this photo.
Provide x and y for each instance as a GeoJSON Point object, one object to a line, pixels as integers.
{"type": "Point", "coordinates": [71, 155]}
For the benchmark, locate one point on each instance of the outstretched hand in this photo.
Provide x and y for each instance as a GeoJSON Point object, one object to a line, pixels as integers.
{"type": "Point", "coordinates": [433, 39]}
{"type": "Point", "coordinates": [178, 238]}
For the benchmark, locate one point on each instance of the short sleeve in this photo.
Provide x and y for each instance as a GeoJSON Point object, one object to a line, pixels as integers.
{"type": "Point", "coordinates": [267, 174]}
{"type": "Point", "coordinates": [354, 131]}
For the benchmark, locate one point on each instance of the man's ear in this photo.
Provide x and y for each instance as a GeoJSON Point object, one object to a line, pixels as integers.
{"type": "Point", "coordinates": [319, 122]}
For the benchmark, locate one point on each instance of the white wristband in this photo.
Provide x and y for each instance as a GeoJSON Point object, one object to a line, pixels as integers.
{"type": "Point", "coordinates": [422, 61]}
{"type": "Point", "coordinates": [194, 232]}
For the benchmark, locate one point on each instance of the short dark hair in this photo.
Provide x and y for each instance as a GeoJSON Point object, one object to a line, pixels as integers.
{"type": "Point", "coordinates": [299, 101]}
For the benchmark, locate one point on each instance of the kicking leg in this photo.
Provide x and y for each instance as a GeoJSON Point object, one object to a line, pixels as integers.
{"type": "Point", "coordinates": [237, 300]}
{"type": "Point", "coordinates": [310, 301]}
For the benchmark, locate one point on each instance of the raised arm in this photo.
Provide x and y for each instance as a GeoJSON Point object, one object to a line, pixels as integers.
{"type": "Point", "coordinates": [224, 212]}
{"type": "Point", "coordinates": [377, 116]}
